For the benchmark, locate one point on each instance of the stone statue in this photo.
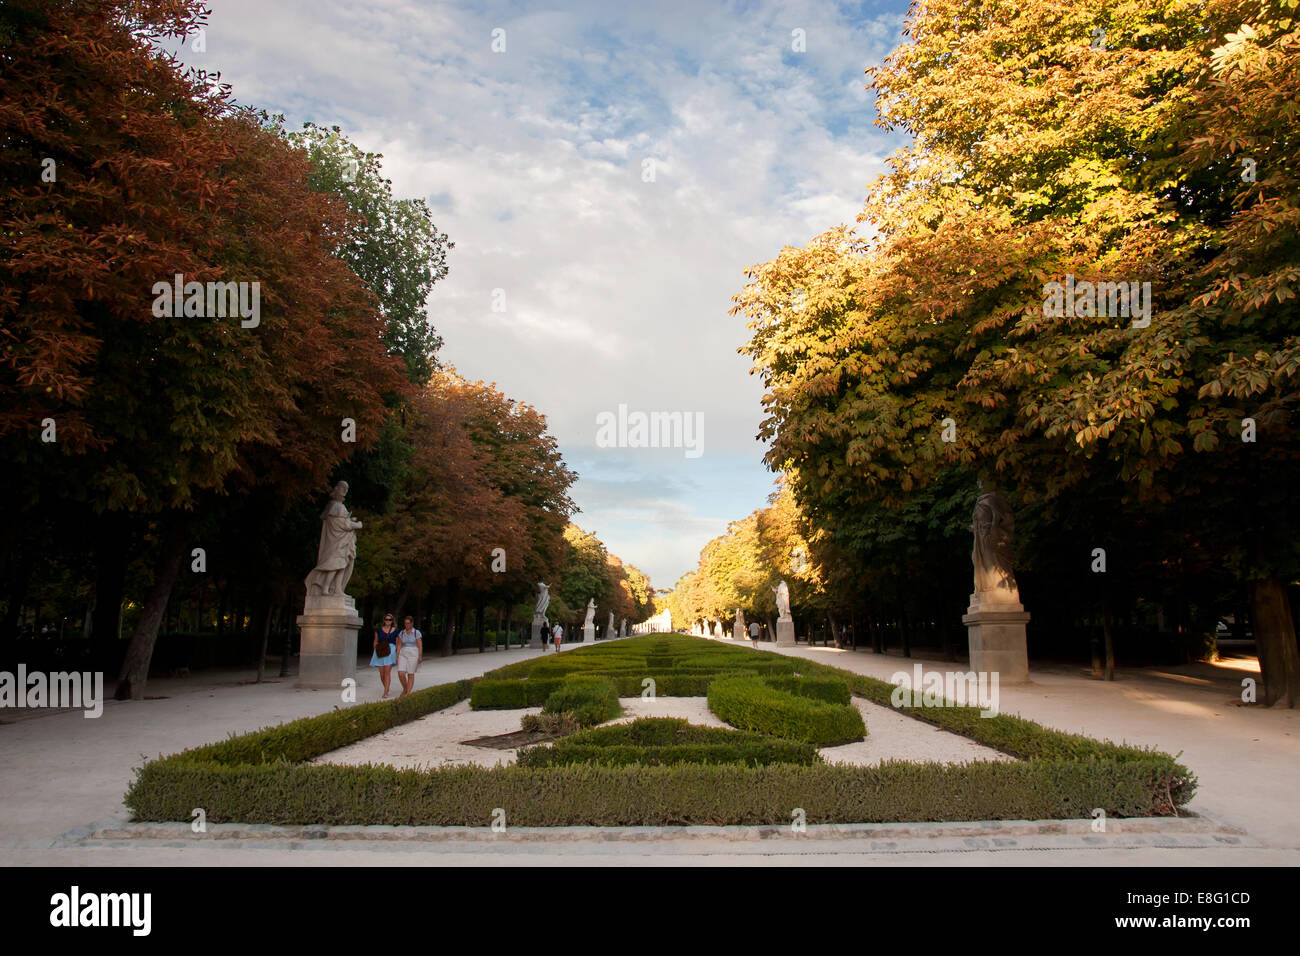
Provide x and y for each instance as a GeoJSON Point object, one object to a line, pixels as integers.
{"type": "Point", "coordinates": [782, 592]}
{"type": "Point", "coordinates": [591, 613]}
{"type": "Point", "coordinates": [338, 548]}
{"type": "Point", "coordinates": [740, 618]}
{"type": "Point", "coordinates": [543, 602]}
{"type": "Point", "coordinates": [610, 626]}
{"type": "Point", "coordinates": [993, 525]}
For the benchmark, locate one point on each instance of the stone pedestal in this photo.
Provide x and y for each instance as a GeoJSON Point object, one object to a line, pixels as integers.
{"type": "Point", "coordinates": [536, 642]}
{"type": "Point", "coordinates": [785, 633]}
{"type": "Point", "coordinates": [996, 633]}
{"type": "Point", "coordinates": [328, 656]}
{"type": "Point", "coordinates": [589, 633]}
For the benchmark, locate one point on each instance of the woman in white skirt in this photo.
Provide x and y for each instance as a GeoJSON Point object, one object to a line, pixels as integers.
{"type": "Point", "coordinates": [410, 652]}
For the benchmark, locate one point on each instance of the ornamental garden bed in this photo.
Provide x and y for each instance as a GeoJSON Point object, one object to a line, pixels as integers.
{"type": "Point", "coordinates": [650, 776]}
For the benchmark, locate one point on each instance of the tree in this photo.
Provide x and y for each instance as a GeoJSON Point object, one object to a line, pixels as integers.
{"type": "Point", "coordinates": [930, 351]}
{"type": "Point", "coordinates": [162, 416]}
{"type": "Point", "coordinates": [392, 244]}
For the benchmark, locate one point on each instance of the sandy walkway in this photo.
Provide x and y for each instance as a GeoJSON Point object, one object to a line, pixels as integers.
{"type": "Point", "coordinates": [437, 740]}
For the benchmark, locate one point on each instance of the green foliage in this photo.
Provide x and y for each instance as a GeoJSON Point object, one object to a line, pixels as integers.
{"type": "Point", "coordinates": [751, 703]}
{"type": "Point", "coordinates": [392, 245]}
{"type": "Point", "coordinates": [312, 736]}
{"type": "Point", "coordinates": [590, 700]}
{"type": "Point", "coordinates": [678, 795]}
{"type": "Point", "coordinates": [830, 690]}
{"type": "Point", "coordinates": [557, 725]}
{"type": "Point", "coordinates": [667, 740]}
{"type": "Point", "coordinates": [256, 779]}
{"type": "Point", "coordinates": [512, 694]}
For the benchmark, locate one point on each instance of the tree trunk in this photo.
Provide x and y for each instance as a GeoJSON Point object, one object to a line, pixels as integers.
{"type": "Point", "coordinates": [263, 615]}
{"type": "Point", "coordinates": [399, 607]}
{"type": "Point", "coordinates": [510, 623]}
{"type": "Point", "coordinates": [135, 668]}
{"type": "Point", "coordinates": [478, 627]}
{"type": "Point", "coordinates": [287, 622]}
{"type": "Point", "coordinates": [110, 581]}
{"type": "Point", "coordinates": [1275, 642]}
{"type": "Point", "coordinates": [449, 619]}
{"type": "Point", "coordinates": [1110, 644]}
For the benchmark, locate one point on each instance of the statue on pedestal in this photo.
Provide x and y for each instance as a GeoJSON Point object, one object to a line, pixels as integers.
{"type": "Point", "coordinates": [543, 602]}
{"type": "Point", "coordinates": [992, 556]}
{"type": "Point", "coordinates": [782, 592]}
{"type": "Point", "coordinates": [591, 613]}
{"type": "Point", "coordinates": [337, 553]}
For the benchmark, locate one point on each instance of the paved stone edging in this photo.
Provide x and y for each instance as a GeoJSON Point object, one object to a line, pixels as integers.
{"type": "Point", "coordinates": [982, 831]}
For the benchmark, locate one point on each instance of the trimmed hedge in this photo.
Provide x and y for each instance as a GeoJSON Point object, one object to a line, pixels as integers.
{"type": "Point", "coordinates": [1012, 735]}
{"type": "Point", "coordinates": [512, 694]}
{"type": "Point", "coordinates": [312, 736]}
{"type": "Point", "coordinates": [684, 794]}
{"type": "Point", "coordinates": [590, 700]}
{"type": "Point", "coordinates": [656, 741]}
{"type": "Point", "coordinates": [830, 690]}
{"type": "Point", "coordinates": [259, 777]}
{"type": "Point", "coordinates": [752, 703]}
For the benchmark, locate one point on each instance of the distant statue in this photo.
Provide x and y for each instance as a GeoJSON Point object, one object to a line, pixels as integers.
{"type": "Point", "coordinates": [610, 625]}
{"type": "Point", "coordinates": [740, 618]}
{"type": "Point", "coordinates": [543, 602]}
{"type": "Point", "coordinates": [992, 556]}
{"type": "Point", "coordinates": [782, 592]}
{"type": "Point", "coordinates": [337, 553]}
{"type": "Point", "coordinates": [591, 613]}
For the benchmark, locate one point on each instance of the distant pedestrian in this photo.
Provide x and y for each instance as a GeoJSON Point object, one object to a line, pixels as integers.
{"type": "Point", "coordinates": [753, 633]}
{"type": "Point", "coordinates": [546, 635]}
{"type": "Point", "coordinates": [558, 635]}
{"type": "Point", "coordinates": [386, 641]}
{"type": "Point", "coordinates": [410, 652]}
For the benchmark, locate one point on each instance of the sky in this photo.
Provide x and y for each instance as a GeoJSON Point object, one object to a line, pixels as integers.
{"type": "Point", "coordinates": [606, 173]}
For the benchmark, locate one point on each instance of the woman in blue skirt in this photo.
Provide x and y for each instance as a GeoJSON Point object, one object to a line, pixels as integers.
{"type": "Point", "coordinates": [385, 636]}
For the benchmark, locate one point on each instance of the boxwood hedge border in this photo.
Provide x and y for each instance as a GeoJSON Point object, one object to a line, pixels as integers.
{"type": "Point", "coordinates": [264, 777]}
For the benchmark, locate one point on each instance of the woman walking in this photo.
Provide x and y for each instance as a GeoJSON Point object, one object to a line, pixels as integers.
{"type": "Point", "coordinates": [386, 641]}
{"type": "Point", "coordinates": [557, 635]}
{"type": "Point", "coordinates": [410, 652]}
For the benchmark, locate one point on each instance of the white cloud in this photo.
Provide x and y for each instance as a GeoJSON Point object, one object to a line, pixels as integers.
{"type": "Point", "coordinates": [617, 289]}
